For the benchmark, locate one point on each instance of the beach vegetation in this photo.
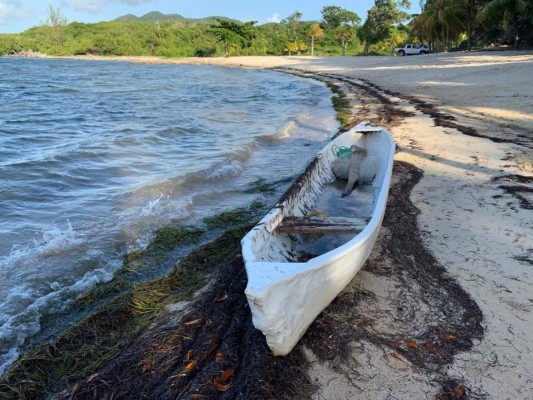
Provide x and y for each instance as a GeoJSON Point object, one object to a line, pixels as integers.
{"type": "Point", "coordinates": [380, 21]}
{"type": "Point", "coordinates": [55, 17]}
{"type": "Point", "coordinates": [233, 34]}
{"type": "Point", "coordinates": [345, 34]}
{"type": "Point", "coordinates": [315, 32]}
{"type": "Point", "coordinates": [505, 13]}
{"type": "Point", "coordinates": [156, 34]}
{"type": "Point", "coordinates": [470, 9]}
{"type": "Point", "coordinates": [341, 24]}
{"type": "Point", "coordinates": [445, 25]}
{"type": "Point", "coordinates": [293, 25]}
{"type": "Point", "coordinates": [296, 47]}
{"type": "Point", "coordinates": [463, 24]}
{"type": "Point", "coordinates": [54, 25]}
{"type": "Point", "coordinates": [10, 44]}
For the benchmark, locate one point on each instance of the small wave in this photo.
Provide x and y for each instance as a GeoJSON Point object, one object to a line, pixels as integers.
{"type": "Point", "coordinates": [286, 131]}
{"type": "Point", "coordinates": [67, 90]}
{"type": "Point", "coordinates": [232, 164]}
{"type": "Point", "coordinates": [7, 359]}
{"type": "Point", "coordinates": [18, 327]}
{"type": "Point", "coordinates": [242, 154]}
{"type": "Point", "coordinates": [54, 241]}
{"type": "Point", "coordinates": [316, 126]}
{"type": "Point", "coordinates": [293, 127]}
{"type": "Point", "coordinates": [148, 209]}
{"type": "Point", "coordinates": [234, 168]}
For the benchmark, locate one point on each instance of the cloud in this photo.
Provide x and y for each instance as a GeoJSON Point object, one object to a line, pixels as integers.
{"type": "Point", "coordinates": [13, 10]}
{"type": "Point", "coordinates": [92, 6]}
{"type": "Point", "coordinates": [97, 6]}
{"type": "Point", "coordinates": [274, 18]}
{"type": "Point", "coordinates": [135, 2]}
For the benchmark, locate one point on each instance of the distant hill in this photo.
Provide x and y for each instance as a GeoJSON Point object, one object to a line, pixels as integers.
{"type": "Point", "coordinates": [160, 17]}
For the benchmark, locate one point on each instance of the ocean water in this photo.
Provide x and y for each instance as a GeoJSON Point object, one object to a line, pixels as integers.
{"type": "Point", "coordinates": [96, 155]}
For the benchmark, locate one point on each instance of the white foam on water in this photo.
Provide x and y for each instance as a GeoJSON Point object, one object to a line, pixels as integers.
{"type": "Point", "coordinates": [29, 290]}
{"type": "Point", "coordinates": [316, 124]}
{"type": "Point", "coordinates": [149, 208]}
{"type": "Point", "coordinates": [139, 222]}
{"type": "Point", "coordinates": [286, 131]}
{"type": "Point", "coordinates": [15, 329]}
{"type": "Point", "coordinates": [9, 358]}
{"type": "Point", "coordinates": [54, 241]}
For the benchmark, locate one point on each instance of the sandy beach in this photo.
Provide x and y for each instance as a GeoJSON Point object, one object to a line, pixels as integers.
{"type": "Point", "coordinates": [474, 200]}
{"type": "Point", "coordinates": [443, 307]}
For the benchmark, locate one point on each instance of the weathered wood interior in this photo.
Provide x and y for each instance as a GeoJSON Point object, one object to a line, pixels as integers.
{"type": "Point", "coordinates": [321, 225]}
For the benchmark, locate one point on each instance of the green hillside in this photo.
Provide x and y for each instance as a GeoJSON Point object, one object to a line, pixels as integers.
{"type": "Point", "coordinates": [157, 16]}
{"type": "Point", "coordinates": [173, 35]}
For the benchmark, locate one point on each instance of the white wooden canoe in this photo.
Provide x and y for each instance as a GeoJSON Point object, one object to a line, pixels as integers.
{"type": "Point", "coordinates": [286, 295]}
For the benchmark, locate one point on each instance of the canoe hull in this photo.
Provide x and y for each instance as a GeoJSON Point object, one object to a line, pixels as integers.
{"type": "Point", "coordinates": [285, 297]}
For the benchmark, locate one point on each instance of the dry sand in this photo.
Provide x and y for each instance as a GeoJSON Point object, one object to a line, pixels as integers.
{"type": "Point", "coordinates": [475, 203]}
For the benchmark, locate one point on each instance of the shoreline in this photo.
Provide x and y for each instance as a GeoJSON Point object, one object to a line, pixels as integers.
{"type": "Point", "coordinates": [471, 208]}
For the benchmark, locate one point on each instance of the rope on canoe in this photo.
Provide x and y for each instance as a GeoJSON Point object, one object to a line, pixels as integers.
{"type": "Point", "coordinates": [339, 151]}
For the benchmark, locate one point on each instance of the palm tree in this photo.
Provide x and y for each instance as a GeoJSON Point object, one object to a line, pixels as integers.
{"type": "Point", "coordinates": [425, 28]}
{"type": "Point", "coordinates": [451, 20]}
{"type": "Point", "coordinates": [444, 15]}
{"type": "Point", "coordinates": [506, 11]}
{"type": "Point", "coordinates": [470, 8]}
{"type": "Point", "coordinates": [315, 31]}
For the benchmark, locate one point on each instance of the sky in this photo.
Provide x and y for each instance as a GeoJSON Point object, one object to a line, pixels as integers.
{"type": "Point", "coordinates": [18, 15]}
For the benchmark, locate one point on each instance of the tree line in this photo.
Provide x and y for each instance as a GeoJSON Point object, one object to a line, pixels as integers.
{"type": "Point", "coordinates": [444, 24]}
{"type": "Point", "coordinates": [449, 24]}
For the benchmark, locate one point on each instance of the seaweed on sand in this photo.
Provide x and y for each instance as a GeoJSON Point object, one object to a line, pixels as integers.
{"type": "Point", "coordinates": [426, 319]}
{"type": "Point", "coordinates": [341, 104]}
{"type": "Point", "coordinates": [142, 264]}
{"type": "Point", "coordinates": [132, 347]}
{"type": "Point", "coordinates": [236, 217]}
{"type": "Point", "coordinates": [99, 338]}
{"type": "Point", "coordinates": [229, 218]}
{"type": "Point", "coordinates": [261, 185]}
{"type": "Point", "coordinates": [184, 356]}
{"type": "Point", "coordinates": [518, 186]}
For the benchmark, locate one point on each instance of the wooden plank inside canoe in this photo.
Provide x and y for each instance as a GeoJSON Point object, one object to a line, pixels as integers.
{"type": "Point", "coordinates": [319, 225]}
{"type": "Point", "coordinates": [368, 129]}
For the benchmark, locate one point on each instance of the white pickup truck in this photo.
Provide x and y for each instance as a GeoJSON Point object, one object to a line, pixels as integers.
{"type": "Point", "coordinates": [411, 49]}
